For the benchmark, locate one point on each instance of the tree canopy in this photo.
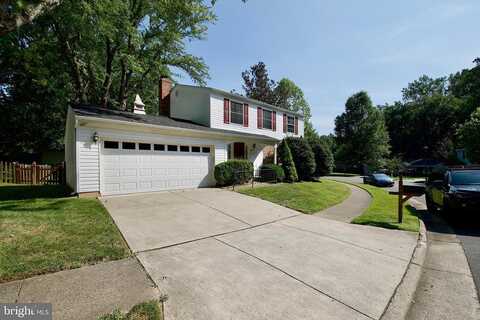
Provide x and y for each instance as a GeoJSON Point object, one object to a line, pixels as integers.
{"type": "Point", "coordinates": [425, 122]}
{"type": "Point", "coordinates": [469, 134]}
{"type": "Point", "coordinates": [361, 134]}
{"type": "Point", "coordinates": [93, 52]}
{"type": "Point", "coordinates": [284, 93]}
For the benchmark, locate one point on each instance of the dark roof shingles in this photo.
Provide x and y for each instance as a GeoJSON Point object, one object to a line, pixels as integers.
{"type": "Point", "coordinates": [97, 112]}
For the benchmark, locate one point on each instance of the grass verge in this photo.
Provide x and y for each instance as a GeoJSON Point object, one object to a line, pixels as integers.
{"type": "Point", "coordinates": [306, 197]}
{"type": "Point", "coordinates": [42, 231]}
{"type": "Point", "coordinates": [149, 310]}
{"type": "Point", "coordinates": [382, 211]}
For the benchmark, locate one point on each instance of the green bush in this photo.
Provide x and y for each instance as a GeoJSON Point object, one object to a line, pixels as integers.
{"type": "Point", "coordinates": [285, 157]}
{"type": "Point", "coordinates": [233, 172]}
{"type": "Point", "coordinates": [303, 157]}
{"type": "Point", "coordinates": [272, 171]}
{"type": "Point", "coordinates": [323, 157]}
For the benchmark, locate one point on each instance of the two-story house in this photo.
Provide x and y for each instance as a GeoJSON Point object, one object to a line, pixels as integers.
{"type": "Point", "coordinates": [115, 152]}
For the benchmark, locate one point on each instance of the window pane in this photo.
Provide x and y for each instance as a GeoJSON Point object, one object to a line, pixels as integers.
{"type": "Point", "coordinates": [110, 144]}
{"type": "Point", "coordinates": [206, 149]}
{"type": "Point", "coordinates": [267, 119]}
{"type": "Point", "coordinates": [159, 147]}
{"type": "Point", "coordinates": [184, 149]}
{"type": "Point", "coordinates": [128, 145]}
{"type": "Point", "coordinates": [172, 148]}
{"type": "Point", "coordinates": [236, 112]}
{"type": "Point", "coordinates": [291, 124]}
{"type": "Point", "coordinates": [195, 149]}
{"type": "Point", "coordinates": [144, 146]}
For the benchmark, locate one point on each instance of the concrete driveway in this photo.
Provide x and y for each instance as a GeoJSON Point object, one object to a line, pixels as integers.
{"type": "Point", "coordinates": [222, 255]}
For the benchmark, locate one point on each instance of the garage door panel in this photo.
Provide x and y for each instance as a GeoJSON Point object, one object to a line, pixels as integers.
{"type": "Point", "coordinates": [128, 171]}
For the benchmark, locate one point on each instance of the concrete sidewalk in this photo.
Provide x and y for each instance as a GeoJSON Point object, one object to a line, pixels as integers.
{"type": "Point", "coordinates": [446, 289]}
{"type": "Point", "coordinates": [353, 206]}
{"type": "Point", "coordinates": [87, 292]}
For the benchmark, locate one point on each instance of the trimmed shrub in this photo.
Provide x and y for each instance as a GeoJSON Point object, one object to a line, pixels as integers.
{"type": "Point", "coordinates": [271, 171]}
{"type": "Point", "coordinates": [233, 172]}
{"type": "Point", "coordinates": [323, 157]}
{"type": "Point", "coordinates": [285, 157]}
{"type": "Point", "coordinates": [303, 157]}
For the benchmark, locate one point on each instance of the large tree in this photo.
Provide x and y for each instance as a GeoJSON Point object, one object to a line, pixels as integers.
{"type": "Point", "coordinates": [16, 13]}
{"type": "Point", "coordinates": [361, 134]}
{"type": "Point", "coordinates": [469, 134]}
{"type": "Point", "coordinates": [284, 93]}
{"type": "Point", "coordinates": [257, 83]}
{"type": "Point", "coordinates": [95, 52]}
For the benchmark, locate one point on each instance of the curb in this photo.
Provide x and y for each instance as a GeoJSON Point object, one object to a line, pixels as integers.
{"type": "Point", "coordinates": [402, 298]}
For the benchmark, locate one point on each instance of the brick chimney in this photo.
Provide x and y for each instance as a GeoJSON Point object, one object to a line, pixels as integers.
{"type": "Point", "coordinates": [164, 88]}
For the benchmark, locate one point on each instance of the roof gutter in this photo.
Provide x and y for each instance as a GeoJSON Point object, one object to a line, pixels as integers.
{"type": "Point", "coordinates": [175, 128]}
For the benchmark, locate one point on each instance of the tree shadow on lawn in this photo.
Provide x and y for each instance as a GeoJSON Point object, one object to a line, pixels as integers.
{"type": "Point", "coordinates": [393, 224]}
{"type": "Point", "coordinates": [30, 205]}
{"type": "Point", "coordinates": [23, 192]}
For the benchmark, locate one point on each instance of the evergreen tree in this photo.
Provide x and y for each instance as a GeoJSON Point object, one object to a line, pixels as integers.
{"type": "Point", "coordinates": [285, 157]}
{"type": "Point", "coordinates": [303, 157]}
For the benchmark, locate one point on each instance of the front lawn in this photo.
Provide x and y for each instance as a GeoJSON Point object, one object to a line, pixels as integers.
{"type": "Point", "coordinates": [382, 212]}
{"type": "Point", "coordinates": [42, 230]}
{"type": "Point", "coordinates": [306, 197]}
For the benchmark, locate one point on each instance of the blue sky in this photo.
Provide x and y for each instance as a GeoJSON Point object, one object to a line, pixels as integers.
{"type": "Point", "coordinates": [334, 48]}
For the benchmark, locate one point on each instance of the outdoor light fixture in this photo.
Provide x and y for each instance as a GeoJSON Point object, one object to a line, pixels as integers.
{"type": "Point", "coordinates": [95, 137]}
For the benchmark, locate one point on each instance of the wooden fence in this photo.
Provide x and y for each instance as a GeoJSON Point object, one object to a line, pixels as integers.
{"type": "Point", "coordinates": [12, 172]}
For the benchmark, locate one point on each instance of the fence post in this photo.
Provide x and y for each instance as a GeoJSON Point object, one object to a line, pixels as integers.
{"type": "Point", "coordinates": [13, 171]}
{"type": "Point", "coordinates": [34, 172]}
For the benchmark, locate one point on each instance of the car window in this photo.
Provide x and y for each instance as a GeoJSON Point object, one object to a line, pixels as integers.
{"type": "Point", "coordinates": [465, 177]}
{"type": "Point", "coordinates": [380, 176]}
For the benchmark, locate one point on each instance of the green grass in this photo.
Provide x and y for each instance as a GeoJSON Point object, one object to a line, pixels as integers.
{"type": "Point", "coordinates": [42, 231]}
{"type": "Point", "coordinates": [382, 212]}
{"type": "Point", "coordinates": [150, 310]}
{"type": "Point", "coordinates": [306, 197]}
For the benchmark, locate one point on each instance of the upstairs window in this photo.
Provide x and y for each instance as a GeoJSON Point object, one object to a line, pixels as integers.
{"type": "Point", "coordinates": [291, 124]}
{"type": "Point", "coordinates": [267, 119]}
{"type": "Point", "coordinates": [236, 112]}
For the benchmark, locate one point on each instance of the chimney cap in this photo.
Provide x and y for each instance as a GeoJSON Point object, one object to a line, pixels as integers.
{"type": "Point", "coordinates": [138, 101]}
{"type": "Point", "coordinates": [138, 105]}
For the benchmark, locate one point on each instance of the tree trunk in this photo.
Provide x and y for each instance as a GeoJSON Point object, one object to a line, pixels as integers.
{"type": "Point", "coordinates": [107, 83]}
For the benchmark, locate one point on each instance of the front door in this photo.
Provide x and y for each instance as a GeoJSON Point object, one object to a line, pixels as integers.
{"type": "Point", "coordinates": [239, 150]}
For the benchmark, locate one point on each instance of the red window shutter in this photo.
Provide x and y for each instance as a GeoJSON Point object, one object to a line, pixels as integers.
{"type": "Point", "coordinates": [296, 125]}
{"type": "Point", "coordinates": [259, 118]}
{"type": "Point", "coordinates": [245, 115]}
{"type": "Point", "coordinates": [226, 111]}
{"type": "Point", "coordinates": [284, 123]}
{"type": "Point", "coordinates": [274, 121]}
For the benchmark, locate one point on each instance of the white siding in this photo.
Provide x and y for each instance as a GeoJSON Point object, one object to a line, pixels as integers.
{"type": "Point", "coordinates": [216, 120]}
{"type": "Point", "coordinates": [70, 163]}
{"type": "Point", "coordinates": [190, 103]}
{"type": "Point", "coordinates": [89, 157]}
{"type": "Point", "coordinates": [88, 169]}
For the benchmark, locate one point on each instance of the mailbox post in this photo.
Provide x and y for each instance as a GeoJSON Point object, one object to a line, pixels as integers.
{"type": "Point", "coordinates": [405, 192]}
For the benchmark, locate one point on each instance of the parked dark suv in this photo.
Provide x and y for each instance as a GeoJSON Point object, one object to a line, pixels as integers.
{"type": "Point", "coordinates": [457, 190]}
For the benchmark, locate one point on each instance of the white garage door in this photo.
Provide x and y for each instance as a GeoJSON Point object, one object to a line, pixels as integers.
{"type": "Point", "coordinates": [129, 167]}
